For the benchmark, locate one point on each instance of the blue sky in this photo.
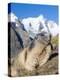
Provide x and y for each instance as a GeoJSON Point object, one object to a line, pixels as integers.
{"type": "Point", "coordinates": [22, 10]}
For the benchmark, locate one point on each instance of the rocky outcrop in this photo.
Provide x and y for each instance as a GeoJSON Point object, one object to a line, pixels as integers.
{"type": "Point", "coordinates": [18, 40]}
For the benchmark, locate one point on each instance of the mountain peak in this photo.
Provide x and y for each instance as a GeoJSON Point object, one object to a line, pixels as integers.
{"type": "Point", "coordinates": [12, 17]}
{"type": "Point", "coordinates": [35, 25]}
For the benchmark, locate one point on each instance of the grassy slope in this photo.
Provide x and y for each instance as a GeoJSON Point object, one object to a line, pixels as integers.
{"type": "Point", "coordinates": [55, 40]}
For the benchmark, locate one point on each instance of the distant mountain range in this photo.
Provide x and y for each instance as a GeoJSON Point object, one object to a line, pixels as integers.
{"type": "Point", "coordinates": [35, 25]}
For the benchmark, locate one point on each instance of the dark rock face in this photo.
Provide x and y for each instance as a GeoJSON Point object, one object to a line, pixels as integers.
{"type": "Point", "coordinates": [17, 39]}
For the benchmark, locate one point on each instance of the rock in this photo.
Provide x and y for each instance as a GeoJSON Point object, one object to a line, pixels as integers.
{"type": "Point", "coordinates": [17, 39]}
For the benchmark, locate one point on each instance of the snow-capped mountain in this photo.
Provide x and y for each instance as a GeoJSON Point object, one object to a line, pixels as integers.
{"type": "Point", "coordinates": [35, 25]}
{"type": "Point", "coordinates": [14, 19]}
{"type": "Point", "coordinates": [38, 25]}
{"type": "Point", "coordinates": [53, 27]}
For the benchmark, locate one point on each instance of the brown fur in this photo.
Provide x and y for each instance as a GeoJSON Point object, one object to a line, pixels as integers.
{"type": "Point", "coordinates": [31, 59]}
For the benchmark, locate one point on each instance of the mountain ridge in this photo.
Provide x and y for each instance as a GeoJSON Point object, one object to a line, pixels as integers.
{"type": "Point", "coordinates": [35, 25]}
